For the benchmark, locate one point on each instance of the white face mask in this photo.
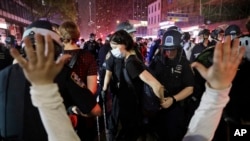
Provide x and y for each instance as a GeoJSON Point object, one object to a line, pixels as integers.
{"type": "Point", "coordinates": [117, 53]}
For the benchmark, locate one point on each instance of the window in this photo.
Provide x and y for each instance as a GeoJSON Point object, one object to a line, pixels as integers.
{"type": "Point", "coordinates": [159, 6]}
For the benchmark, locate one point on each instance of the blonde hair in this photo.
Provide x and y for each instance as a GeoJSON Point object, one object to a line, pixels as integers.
{"type": "Point", "coordinates": [69, 31]}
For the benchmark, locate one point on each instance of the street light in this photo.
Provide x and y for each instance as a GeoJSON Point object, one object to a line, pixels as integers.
{"type": "Point", "coordinates": [90, 19]}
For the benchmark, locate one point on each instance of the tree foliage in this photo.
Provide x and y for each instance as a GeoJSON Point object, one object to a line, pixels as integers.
{"type": "Point", "coordinates": [53, 9]}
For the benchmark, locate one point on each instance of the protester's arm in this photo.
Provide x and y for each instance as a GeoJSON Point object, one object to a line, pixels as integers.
{"type": "Point", "coordinates": [53, 113]}
{"type": "Point", "coordinates": [226, 59]}
{"type": "Point", "coordinates": [41, 69]}
{"type": "Point", "coordinates": [206, 118]}
{"type": "Point", "coordinates": [156, 86]}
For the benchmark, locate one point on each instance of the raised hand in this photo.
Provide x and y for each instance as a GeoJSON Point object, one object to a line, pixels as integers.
{"type": "Point", "coordinates": [226, 59]}
{"type": "Point", "coordinates": [39, 67]}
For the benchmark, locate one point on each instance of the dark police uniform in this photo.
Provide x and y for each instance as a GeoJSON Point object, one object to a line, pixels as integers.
{"type": "Point", "coordinates": [175, 75]}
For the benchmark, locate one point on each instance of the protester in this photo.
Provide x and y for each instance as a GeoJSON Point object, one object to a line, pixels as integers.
{"type": "Point", "coordinates": [129, 114]}
{"type": "Point", "coordinates": [19, 119]}
{"type": "Point", "coordinates": [41, 71]}
{"type": "Point", "coordinates": [85, 70]}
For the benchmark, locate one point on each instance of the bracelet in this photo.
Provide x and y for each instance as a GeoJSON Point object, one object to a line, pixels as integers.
{"type": "Point", "coordinates": [174, 100]}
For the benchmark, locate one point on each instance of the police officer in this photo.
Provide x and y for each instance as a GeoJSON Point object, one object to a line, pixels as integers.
{"type": "Point", "coordinates": [203, 43]}
{"type": "Point", "coordinates": [174, 72]}
{"type": "Point", "coordinates": [92, 45]}
{"type": "Point", "coordinates": [217, 35]}
{"type": "Point", "coordinates": [187, 44]}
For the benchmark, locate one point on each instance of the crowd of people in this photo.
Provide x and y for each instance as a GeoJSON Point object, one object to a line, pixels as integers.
{"type": "Point", "coordinates": [76, 90]}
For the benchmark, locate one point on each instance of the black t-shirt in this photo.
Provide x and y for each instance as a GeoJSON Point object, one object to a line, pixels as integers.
{"type": "Point", "coordinates": [73, 94]}
{"type": "Point", "coordinates": [173, 74]}
{"type": "Point", "coordinates": [130, 97]}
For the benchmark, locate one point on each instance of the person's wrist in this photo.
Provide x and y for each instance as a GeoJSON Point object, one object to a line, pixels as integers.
{"type": "Point", "coordinates": [174, 100]}
{"type": "Point", "coordinates": [218, 86]}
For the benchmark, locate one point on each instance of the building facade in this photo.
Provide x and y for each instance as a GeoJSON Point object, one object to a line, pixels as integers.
{"type": "Point", "coordinates": [109, 13]}
{"type": "Point", "coordinates": [14, 17]}
{"type": "Point", "coordinates": [154, 17]}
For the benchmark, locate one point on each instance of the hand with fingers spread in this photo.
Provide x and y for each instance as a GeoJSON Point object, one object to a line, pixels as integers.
{"type": "Point", "coordinates": [39, 67]}
{"type": "Point", "coordinates": [226, 60]}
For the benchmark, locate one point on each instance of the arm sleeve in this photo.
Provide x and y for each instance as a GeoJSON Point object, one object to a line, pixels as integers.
{"type": "Point", "coordinates": [207, 116]}
{"type": "Point", "coordinates": [134, 67]}
{"type": "Point", "coordinates": [53, 113]}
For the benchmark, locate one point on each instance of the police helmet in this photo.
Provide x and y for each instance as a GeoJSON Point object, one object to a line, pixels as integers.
{"type": "Point", "coordinates": [171, 40]}
{"type": "Point", "coordinates": [186, 36]}
{"type": "Point", "coordinates": [216, 32]}
{"type": "Point", "coordinates": [126, 26]}
{"type": "Point", "coordinates": [91, 35]}
{"type": "Point", "coordinates": [174, 28]}
{"type": "Point", "coordinates": [204, 32]}
{"type": "Point", "coordinates": [233, 30]}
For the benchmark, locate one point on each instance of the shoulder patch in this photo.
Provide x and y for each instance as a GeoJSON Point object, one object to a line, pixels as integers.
{"type": "Point", "coordinates": [108, 55]}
